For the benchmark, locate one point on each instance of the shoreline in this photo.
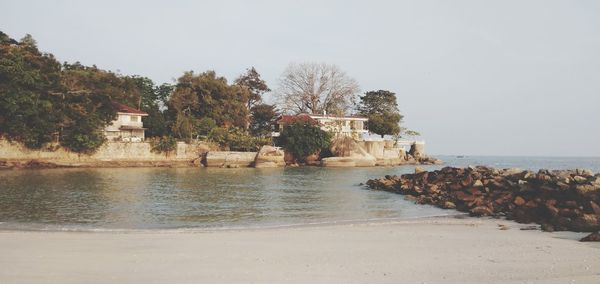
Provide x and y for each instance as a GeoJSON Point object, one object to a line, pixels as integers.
{"type": "Point", "coordinates": [16, 165]}
{"type": "Point", "coordinates": [431, 250]}
{"type": "Point", "coordinates": [54, 228]}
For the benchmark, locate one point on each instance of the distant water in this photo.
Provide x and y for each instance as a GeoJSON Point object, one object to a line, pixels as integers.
{"type": "Point", "coordinates": [157, 198]}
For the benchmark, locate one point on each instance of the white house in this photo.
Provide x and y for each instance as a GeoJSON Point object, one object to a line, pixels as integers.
{"type": "Point", "coordinates": [352, 126]}
{"type": "Point", "coordinates": [128, 126]}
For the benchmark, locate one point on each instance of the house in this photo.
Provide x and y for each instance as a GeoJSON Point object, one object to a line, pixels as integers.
{"type": "Point", "coordinates": [128, 126]}
{"type": "Point", "coordinates": [352, 126]}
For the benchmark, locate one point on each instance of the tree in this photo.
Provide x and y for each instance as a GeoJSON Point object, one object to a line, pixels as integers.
{"type": "Point", "coordinates": [153, 101]}
{"type": "Point", "coordinates": [87, 103]}
{"type": "Point", "coordinates": [302, 139]}
{"type": "Point", "coordinates": [123, 89]}
{"type": "Point", "coordinates": [382, 110]}
{"type": "Point", "coordinates": [205, 125]}
{"type": "Point", "coordinates": [262, 119]}
{"type": "Point", "coordinates": [207, 95]}
{"type": "Point", "coordinates": [316, 88]}
{"type": "Point", "coordinates": [254, 84]}
{"type": "Point", "coordinates": [29, 83]}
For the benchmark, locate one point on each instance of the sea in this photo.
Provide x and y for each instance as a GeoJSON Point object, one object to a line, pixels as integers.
{"type": "Point", "coordinates": [115, 199]}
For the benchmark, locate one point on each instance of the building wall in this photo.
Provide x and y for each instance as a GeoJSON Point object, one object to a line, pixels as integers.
{"type": "Point", "coordinates": [113, 132]}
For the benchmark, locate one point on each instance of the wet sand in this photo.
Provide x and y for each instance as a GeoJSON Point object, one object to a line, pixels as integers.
{"type": "Point", "coordinates": [429, 250]}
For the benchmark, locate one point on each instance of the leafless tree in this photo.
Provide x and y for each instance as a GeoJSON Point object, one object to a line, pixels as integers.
{"type": "Point", "coordinates": [315, 88]}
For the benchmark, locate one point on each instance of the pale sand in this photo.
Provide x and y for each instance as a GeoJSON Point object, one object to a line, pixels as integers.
{"type": "Point", "coordinates": [416, 251]}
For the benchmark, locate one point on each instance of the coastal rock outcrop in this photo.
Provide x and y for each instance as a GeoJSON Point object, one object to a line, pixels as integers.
{"type": "Point", "coordinates": [269, 157]}
{"type": "Point", "coordinates": [558, 200]}
{"type": "Point", "coordinates": [593, 237]}
{"type": "Point", "coordinates": [348, 153]}
{"type": "Point", "coordinates": [229, 159]}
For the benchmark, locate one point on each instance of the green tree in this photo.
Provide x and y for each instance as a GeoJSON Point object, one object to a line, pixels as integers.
{"type": "Point", "coordinates": [87, 104]}
{"type": "Point", "coordinates": [80, 78]}
{"type": "Point", "coordinates": [262, 119]}
{"type": "Point", "coordinates": [153, 101]}
{"type": "Point", "coordinates": [29, 84]}
{"type": "Point", "coordinates": [382, 110]}
{"type": "Point", "coordinates": [205, 125]}
{"type": "Point", "coordinates": [302, 139]}
{"type": "Point", "coordinates": [254, 84]}
{"type": "Point", "coordinates": [207, 95]}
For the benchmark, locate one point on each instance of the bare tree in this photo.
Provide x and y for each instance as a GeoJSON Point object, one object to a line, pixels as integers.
{"type": "Point", "coordinates": [315, 88]}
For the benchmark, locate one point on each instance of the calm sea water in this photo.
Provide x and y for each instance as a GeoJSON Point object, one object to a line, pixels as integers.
{"type": "Point", "coordinates": [155, 198]}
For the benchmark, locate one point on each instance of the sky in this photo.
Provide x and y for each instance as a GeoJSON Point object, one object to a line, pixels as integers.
{"type": "Point", "coordinates": [509, 78]}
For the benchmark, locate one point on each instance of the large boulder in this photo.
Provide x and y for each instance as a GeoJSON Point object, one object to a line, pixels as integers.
{"type": "Point", "coordinates": [229, 159]}
{"type": "Point", "coordinates": [269, 157]}
{"type": "Point", "coordinates": [392, 157]}
{"type": "Point", "coordinates": [417, 150]}
{"type": "Point", "coordinates": [338, 162]}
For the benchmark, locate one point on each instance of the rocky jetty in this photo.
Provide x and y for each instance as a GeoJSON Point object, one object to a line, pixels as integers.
{"type": "Point", "coordinates": [558, 200]}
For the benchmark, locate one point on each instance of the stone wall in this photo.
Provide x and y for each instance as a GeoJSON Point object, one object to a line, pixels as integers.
{"type": "Point", "coordinates": [110, 154]}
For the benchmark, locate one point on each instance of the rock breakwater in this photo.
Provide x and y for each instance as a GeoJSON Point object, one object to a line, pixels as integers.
{"type": "Point", "coordinates": [557, 200]}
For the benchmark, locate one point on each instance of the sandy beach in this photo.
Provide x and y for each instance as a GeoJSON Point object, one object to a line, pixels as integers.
{"type": "Point", "coordinates": [428, 250]}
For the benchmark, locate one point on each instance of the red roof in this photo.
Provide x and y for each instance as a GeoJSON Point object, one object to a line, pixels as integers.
{"type": "Point", "coordinates": [126, 109]}
{"type": "Point", "coordinates": [285, 119]}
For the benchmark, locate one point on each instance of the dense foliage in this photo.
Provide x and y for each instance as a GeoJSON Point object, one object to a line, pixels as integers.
{"type": "Point", "coordinates": [263, 118]}
{"type": "Point", "coordinates": [235, 139]}
{"type": "Point", "coordinates": [209, 95]}
{"type": "Point", "coordinates": [29, 83]}
{"type": "Point", "coordinates": [255, 86]}
{"type": "Point", "coordinates": [302, 139]}
{"type": "Point", "coordinates": [382, 110]}
{"type": "Point", "coordinates": [45, 102]}
{"type": "Point", "coordinates": [42, 101]}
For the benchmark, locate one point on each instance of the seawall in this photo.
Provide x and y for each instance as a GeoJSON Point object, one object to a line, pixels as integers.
{"type": "Point", "coordinates": [111, 154]}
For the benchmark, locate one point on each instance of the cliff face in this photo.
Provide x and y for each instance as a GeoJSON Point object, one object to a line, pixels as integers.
{"type": "Point", "coordinates": [13, 155]}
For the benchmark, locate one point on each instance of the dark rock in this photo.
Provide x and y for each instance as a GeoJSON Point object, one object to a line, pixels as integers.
{"type": "Point", "coordinates": [547, 227]}
{"type": "Point", "coordinates": [449, 205]}
{"type": "Point", "coordinates": [595, 207]}
{"type": "Point", "coordinates": [519, 201]}
{"type": "Point", "coordinates": [586, 223]}
{"type": "Point", "coordinates": [481, 211]}
{"type": "Point", "coordinates": [593, 237]}
{"type": "Point", "coordinates": [559, 200]}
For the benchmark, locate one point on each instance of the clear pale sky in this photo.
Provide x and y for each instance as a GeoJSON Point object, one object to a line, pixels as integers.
{"type": "Point", "coordinates": [474, 77]}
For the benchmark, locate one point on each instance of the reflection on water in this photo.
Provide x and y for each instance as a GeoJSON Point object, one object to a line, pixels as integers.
{"type": "Point", "coordinates": [198, 197]}
{"type": "Point", "coordinates": [195, 197]}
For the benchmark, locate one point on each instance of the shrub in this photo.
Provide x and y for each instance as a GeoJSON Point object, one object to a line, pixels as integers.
{"type": "Point", "coordinates": [219, 135]}
{"type": "Point", "coordinates": [165, 144]}
{"type": "Point", "coordinates": [85, 142]}
{"type": "Point", "coordinates": [302, 139]}
{"type": "Point", "coordinates": [235, 139]}
{"type": "Point", "coordinates": [205, 125]}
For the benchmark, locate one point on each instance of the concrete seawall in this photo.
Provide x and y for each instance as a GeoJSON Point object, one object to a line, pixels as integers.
{"type": "Point", "coordinates": [111, 154]}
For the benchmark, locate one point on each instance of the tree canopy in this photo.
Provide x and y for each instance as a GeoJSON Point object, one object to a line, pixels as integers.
{"type": "Point", "coordinates": [262, 119]}
{"type": "Point", "coordinates": [316, 88]}
{"type": "Point", "coordinates": [209, 95]}
{"type": "Point", "coordinates": [302, 139]}
{"type": "Point", "coordinates": [29, 83]}
{"type": "Point", "coordinates": [382, 110]}
{"type": "Point", "coordinates": [43, 101]}
{"type": "Point", "coordinates": [254, 84]}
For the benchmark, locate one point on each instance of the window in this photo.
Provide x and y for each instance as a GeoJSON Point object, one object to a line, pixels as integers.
{"type": "Point", "coordinates": [133, 118]}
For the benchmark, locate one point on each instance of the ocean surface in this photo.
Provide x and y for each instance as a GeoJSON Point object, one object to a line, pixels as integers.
{"type": "Point", "coordinates": [211, 198]}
